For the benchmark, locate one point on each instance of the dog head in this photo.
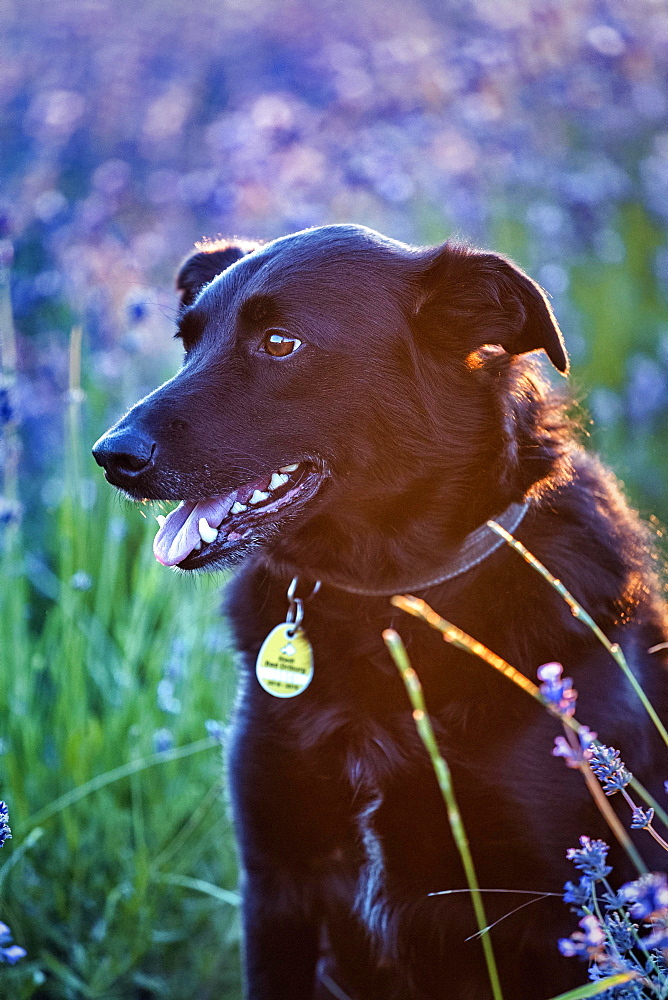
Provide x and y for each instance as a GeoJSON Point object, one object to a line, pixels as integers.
{"type": "Point", "coordinates": [335, 387]}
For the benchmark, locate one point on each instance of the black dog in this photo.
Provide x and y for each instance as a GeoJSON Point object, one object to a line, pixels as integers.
{"type": "Point", "coordinates": [351, 410]}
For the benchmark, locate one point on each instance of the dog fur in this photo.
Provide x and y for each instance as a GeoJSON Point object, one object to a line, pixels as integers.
{"type": "Point", "coordinates": [415, 394]}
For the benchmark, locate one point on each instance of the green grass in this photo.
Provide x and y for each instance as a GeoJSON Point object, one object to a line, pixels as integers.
{"type": "Point", "coordinates": [120, 877]}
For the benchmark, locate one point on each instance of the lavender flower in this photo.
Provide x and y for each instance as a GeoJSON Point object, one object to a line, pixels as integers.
{"type": "Point", "coordinates": [659, 937]}
{"type": "Point", "coordinates": [648, 895]}
{"type": "Point", "coordinates": [167, 700]}
{"type": "Point", "coordinates": [6, 408]}
{"type": "Point", "coordinates": [557, 690]}
{"type": "Point", "coordinates": [587, 943]}
{"type": "Point", "coordinates": [622, 931]}
{"type": "Point", "coordinates": [81, 580]}
{"type": "Point", "coordinates": [641, 818]}
{"type": "Point", "coordinates": [610, 770]}
{"type": "Point", "coordinates": [10, 512]}
{"type": "Point", "coordinates": [590, 857]}
{"type": "Point", "coordinates": [609, 938]}
{"type": "Point", "coordinates": [9, 953]}
{"type": "Point", "coordinates": [136, 307]}
{"type": "Point", "coordinates": [574, 756]}
{"type": "Point", "coordinates": [580, 895]}
{"type": "Point", "coordinates": [163, 740]}
{"type": "Point", "coordinates": [5, 832]}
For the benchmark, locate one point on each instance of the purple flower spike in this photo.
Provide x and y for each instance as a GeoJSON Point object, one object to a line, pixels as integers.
{"type": "Point", "coordinates": [574, 756]}
{"type": "Point", "coordinates": [648, 895]}
{"type": "Point", "coordinates": [641, 818]}
{"type": "Point", "coordinates": [659, 936]}
{"type": "Point", "coordinates": [5, 832]}
{"type": "Point", "coordinates": [13, 954]}
{"type": "Point", "coordinates": [587, 943]}
{"type": "Point", "coordinates": [9, 953]}
{"type": "Point", "coordinates": [610, 769]}
{"type": "Point", "coordinates": [579, 895]}
{"type": "Point", "coordinates": [557, 690]}
{"type": "Point", "coordinates": [590, 857]}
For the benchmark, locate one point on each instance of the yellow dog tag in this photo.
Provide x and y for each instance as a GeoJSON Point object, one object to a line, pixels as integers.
{"type": "Point", "coordinates": [284, 665]}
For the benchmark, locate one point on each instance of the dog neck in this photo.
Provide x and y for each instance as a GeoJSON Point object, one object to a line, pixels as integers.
{"type": "Point", "coordinates": [475, 548]}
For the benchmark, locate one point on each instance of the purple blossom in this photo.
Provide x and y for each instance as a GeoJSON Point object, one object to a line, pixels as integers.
{"type": "Point", "coordinates": [659, 935]}
{"type": "Point", "coordinates": [590, 857]}
{"type": "Point", "coordinates": [575, 755]}
{"type": "Point", "coordinates": [6, 408]}
{"type": "Point", "coordinates": [137, 307]}
{"type": "Point", "coordinates": [5, 832]}
{"type": "Point", "coordinates": [10, 512]}
{"type": "Point", "coordinates": [587, 943]}
{"type": "Point", "coordinates": [557, 690]}
{"type": "Point", "coordinates": [81, 580]}
{"type": "Point", "coordinates": [647, 894]}
{"type": "Point", "coordinates": [579, 895]}
{"type": "Point", "coordinates": [167, 700]}
{"type": "Point", "coordinates": [642, 818]}
{"type": "Point", "coordinates": [9, 953]}
{"type": "Point", "coordinates": [621, 930]}
{"type": "Point", "coordinates": [609, 768]}
{"type": "Point", "coordinates": [163, 740]}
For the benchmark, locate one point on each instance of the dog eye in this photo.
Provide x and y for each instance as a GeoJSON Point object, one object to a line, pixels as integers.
{"type": "Point", "coordinates": [279, 344]}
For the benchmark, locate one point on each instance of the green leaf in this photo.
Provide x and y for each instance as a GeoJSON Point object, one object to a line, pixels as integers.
{"type": "Point", "coordinates": [593, 989]}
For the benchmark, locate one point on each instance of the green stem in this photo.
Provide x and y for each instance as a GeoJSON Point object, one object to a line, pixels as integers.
{"type": "Point", "coordinates": [600, 986]}
{"type": "Point", "coordinates": [16, 855]}
{"type": "Point", "coordinates": [579, 612]}
{"type": "Point", "coordinates": [442, 771]}
{"type": "Point", "coordinates": [199, 885]}
{"type": "Point", "coordinates": [124, 771]}
{"type": "Point", "coordinates": [189, 827]}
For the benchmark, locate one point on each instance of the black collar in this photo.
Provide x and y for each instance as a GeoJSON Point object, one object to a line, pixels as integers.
{"type": "Point", "coordinates": [475, 548]}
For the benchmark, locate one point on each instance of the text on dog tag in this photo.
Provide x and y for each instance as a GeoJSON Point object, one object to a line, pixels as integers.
{"type": "Point", "coordinates": [284, 665]}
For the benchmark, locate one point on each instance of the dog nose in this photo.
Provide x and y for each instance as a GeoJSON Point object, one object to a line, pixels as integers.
{"type": "Point", "coordinates": [125, 452]}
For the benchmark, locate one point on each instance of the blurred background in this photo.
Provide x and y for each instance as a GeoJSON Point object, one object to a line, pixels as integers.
{"type": "Point", "coordinates": [128, 132]}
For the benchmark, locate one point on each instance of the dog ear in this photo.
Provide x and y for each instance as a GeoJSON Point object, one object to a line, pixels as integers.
{"type": "Point", "coordinates": [210, 260]}
{"type": "Point", "coordinates": [483, 298]}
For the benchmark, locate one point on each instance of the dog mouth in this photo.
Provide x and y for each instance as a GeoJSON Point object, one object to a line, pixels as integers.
{"type": "Point", "coordinates": [197, 533]}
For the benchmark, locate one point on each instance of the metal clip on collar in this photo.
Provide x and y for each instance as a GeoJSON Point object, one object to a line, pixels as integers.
{"type": "Point", "coordinates": [295, 613]}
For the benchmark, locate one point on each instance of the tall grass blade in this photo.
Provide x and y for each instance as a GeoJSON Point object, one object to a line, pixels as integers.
{"type": "Point", "coordinates": [442, 772]}
{"type": "Point", "coordinates": [579, 612]}
{"type": "Point", "coordinates": [593, 989]}
{"type": "Point", "coordinates": [124, 771]}
{"type": "Point", "coordinates": [199, 885]}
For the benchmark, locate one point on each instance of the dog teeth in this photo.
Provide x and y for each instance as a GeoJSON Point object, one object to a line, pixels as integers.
{"type": "Point", "coordinates": [160, 518]}
{"type": "Point", "coordinates": [198, 546]}
{"type": "Point", "coordinates": [258, 497]}
{"type": "Point", "coordinates": [289, 468]}
{"type": "Point", "coordinates": [238, 508]}
{"type": "Point", "coordinates": [277, 480]}
{"type": "Point", "coordinates": [207, 533]}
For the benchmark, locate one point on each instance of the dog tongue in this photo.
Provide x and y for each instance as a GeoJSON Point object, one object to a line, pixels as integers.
{"type": "Point", "coordinates": [179, 534]}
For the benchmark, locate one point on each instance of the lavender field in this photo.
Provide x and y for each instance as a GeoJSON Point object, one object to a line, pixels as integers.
{"type": "Point", "coordinates": [537, 128]}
